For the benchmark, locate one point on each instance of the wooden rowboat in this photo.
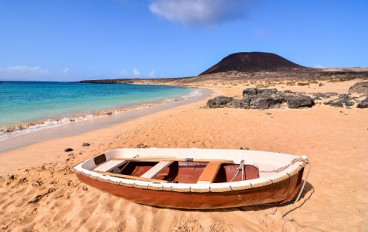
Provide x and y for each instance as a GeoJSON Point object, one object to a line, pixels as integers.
{"type": "Point", "coordinates": [195, 178]}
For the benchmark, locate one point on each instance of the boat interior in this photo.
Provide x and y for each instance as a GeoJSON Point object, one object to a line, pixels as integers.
{"type": "Point", "coordinates": [175, 170]}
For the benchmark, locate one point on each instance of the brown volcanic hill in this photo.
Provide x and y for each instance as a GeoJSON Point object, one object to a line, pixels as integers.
{"type": "Point", "coordinates": [252, 62]}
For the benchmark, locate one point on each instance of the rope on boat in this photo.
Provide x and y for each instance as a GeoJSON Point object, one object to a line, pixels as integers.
{"type": "Point", "coordinates": [293, 206]}
{"type": "Point", "coordinates": [286, 166]}
{"type": "Point", "coordinates": [241, 167]}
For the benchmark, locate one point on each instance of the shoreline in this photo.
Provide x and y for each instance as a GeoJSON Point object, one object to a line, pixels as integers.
{"type": "Point", "coordinates": [10, 131]}
{"type": "Point", "coordinates": [98, 121]}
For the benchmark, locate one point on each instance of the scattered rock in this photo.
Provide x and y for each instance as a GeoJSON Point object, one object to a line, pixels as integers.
{"type": "Point", "coordinates": [300, 101]}
{"type": "Point", "coordinates": [334, 103]}
{"type": "Point", "coordinates": [361, 87]}
{"type": "Point", "coordinates": [85, 188]}
{"type": "Point", "coordinates": [12, 177]}
{"type": "Point", "coordinates": [109, 113]}
{"type": "Point", "coordinates": [85, 144]}
{"type": "Point", "coordinates": [68, 149]}
{"type": "Point", "coordinates": [244, 148]}
{"type": "Point", "coordinates": [363, 104]}
{"type": "Point", "coordinates": [23, 180]}
{"type": "Point", "coordinates": [141, 145]}
{"type": "Point", "coordinates": [219, 102]}
{"type": "Point", "coordinates": [37, 183]}
{"type": "Point", "coordinates": [343, 99]}
{"type": "Point", "coordinates": [320, 84]}
{"type": "Point", "coordinates": [71, 154]}
{"type": "Point", "coordinates": [346, 99]}
{"type": "Point", "coordinates": [39, 197]}
{"type": "Point", "coordinates": [320, 96]}
{"type": "Point", "coordinates": [268, 113]}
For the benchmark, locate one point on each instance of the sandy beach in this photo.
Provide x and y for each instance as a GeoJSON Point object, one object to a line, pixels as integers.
{"type": "Point", "coordinates": [39, 191]}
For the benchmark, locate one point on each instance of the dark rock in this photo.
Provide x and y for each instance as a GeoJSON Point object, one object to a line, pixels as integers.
{"type": "Point", "coordinates": [85, 144]}
{"type": "Point", "coordinates": [141, 145]}
{"type": "Point", "coordinates": [23, 180]}
{"type": "Point", "coordinates": [254, 98]}
{"type": "Point", "coordinates": [40, 196]}
{"type": "Point", "coordinates": [68, 149]}
{"type": "Point", "coordinates": [266, 102]}
{"type": "Point", "coordinates": [71, 154]}
{"type": "Point", "coordinates": [250, 91]}
{"type": "Point", "coordinates": [12, 177]}
{"type": "Point", "coordinates": [346, 99]}
{"type": "Point", "coordinates": [332, 94]}
{"type": "Point", "coordinates": [267, 91]}
{"type": "Point", "coordinates": [219, 102]}
{"type": "Point", "coordinates": [244, 148]}
{"type": "Point", "coordinates": [361, 87]}
{"type": "Point", "coordinates": [300, 101]}
{"type": "Point", "coordinates": [268, 113]}
{"type": "Point", "coordinates": [320, 96]}
{"type": "Point", "coordinates": [334, 103]}
{"type": "Point", "coordinates": [242, 104]}
{"type": "Point", "coordinates": [363, 104]}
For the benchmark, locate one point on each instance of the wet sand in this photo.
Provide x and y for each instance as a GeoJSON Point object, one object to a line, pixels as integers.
{"type": "Point", "coordinates": [45, 195]}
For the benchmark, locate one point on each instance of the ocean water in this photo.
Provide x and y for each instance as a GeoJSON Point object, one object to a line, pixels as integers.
{"type": "Point", "coordinates": [24, 102]}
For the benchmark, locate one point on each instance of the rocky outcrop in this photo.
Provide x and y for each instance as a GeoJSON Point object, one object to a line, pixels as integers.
{"type": "Point", "coordinates": [363, 104]}
{"type": "Point", "coordinates": [342, 100]}
{"type": "Point", "coordinates": [361, 87]}
{"type": "Point", "coordinates": [258, 98]}
{"type": "Point", "coordinates": [320, 96]}
{"type": "Point", "coordinates": [254, 98]}
{"type": "Point", "coordinates": [219, 102]}
{"type": "Point", "coordinates": [300, 101]}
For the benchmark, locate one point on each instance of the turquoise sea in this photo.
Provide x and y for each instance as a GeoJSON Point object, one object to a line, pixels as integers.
{"type": "Point", "coordinates": [23, 102]}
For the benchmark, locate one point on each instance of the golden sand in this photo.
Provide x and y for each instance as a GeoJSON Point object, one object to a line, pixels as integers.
{"type": "Point", "coordinates": [44, 194]}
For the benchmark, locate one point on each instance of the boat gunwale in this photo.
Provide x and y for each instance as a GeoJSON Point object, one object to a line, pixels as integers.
{"type": "Point", "coordinates": [293, 169]}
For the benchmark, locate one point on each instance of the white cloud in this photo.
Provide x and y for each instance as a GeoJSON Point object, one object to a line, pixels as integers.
{"type": "Point", "coordinates": [136, 72]}
{"type": "Point", "coordinates": [23, 73]}
{"type": "Point", "coordinates": [319, 66]}
{"type": "Point", "coordinates": [152, 74]}
{"type": "Point", "coordinates": [23, 68]}
{"type": "Point", "coordinates": [202, 12]}
{"type": "Point", "coordinates": [66, 70]}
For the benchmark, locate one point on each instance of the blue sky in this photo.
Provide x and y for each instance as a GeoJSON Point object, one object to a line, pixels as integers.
{"type": "Point", "coordinates": [69, 40]}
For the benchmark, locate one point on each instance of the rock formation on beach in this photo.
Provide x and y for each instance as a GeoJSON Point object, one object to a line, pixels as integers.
{"type": "Point", "coordinates": [258, 98]}
{"type": "Point", "coordinates": [252, 62]}
{"type": "Point", "coordinates": [254, 98]}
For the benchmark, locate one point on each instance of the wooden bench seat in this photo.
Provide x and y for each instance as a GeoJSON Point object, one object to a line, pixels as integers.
{"type": "Point", "coordinates": [152, 172]}
{"type": "Point", "coordinates": [209, 173]}
{"type": "Point", "coordinates": [109, 165]}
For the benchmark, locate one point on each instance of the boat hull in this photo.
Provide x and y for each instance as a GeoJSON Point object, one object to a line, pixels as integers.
{"type": "Point", "coordinates": [277, 193]}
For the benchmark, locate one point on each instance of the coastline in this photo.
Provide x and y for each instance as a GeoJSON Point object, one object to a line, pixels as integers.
{"type": "Point", "coordinates": [9, 131]}
{"type": "Point", "coordinates": [90, 122]}
{"type": "Point", "coordinates": [334, 139]}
